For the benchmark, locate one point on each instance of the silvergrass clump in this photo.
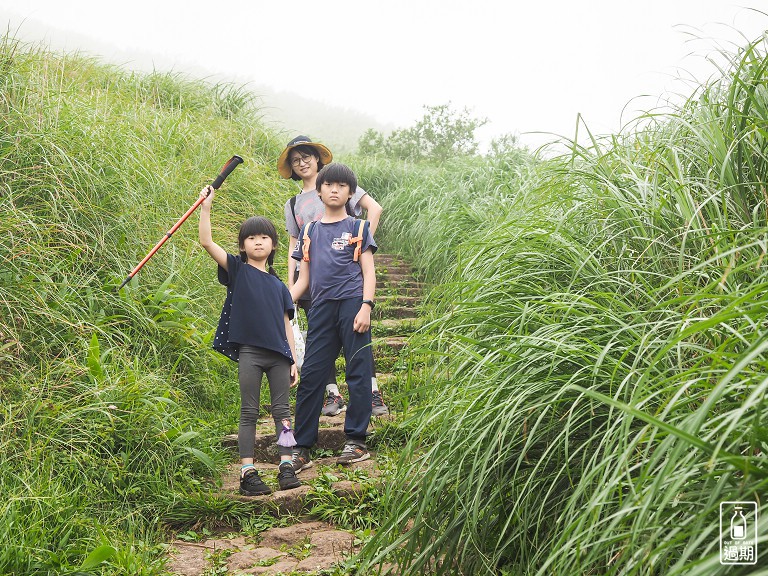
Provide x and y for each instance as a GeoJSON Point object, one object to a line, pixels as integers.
{"type": "Point", "coordinates": [103, 393]}
{"type": "Point", "coordinates": [429, 209]}
{"type": "Point", "coordinates": [602, 344]}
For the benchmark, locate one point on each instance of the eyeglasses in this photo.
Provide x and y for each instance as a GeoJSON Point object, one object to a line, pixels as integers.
{"type": "Point", "coordinates": [304, 158]}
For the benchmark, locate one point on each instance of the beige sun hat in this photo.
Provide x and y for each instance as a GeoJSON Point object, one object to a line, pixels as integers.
{"type": "Point", "coordinates": [285, 169]}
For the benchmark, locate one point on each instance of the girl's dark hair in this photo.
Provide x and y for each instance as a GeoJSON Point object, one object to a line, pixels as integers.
{"type": "Point", "coordinates": [304, 149]}
{"type": "Point", "coordinates": [256, 226]}
{"type": "Point", "coordinates": [336, 172]}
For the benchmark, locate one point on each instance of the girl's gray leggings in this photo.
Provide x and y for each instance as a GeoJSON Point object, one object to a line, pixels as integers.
{"type": "Point", "coordinates": [252, 364]}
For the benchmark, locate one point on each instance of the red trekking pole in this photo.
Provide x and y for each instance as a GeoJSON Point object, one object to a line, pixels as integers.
{"type": "Point", "coordinates": [231, 164]}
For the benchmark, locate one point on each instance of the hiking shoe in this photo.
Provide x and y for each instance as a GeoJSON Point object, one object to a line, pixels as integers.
{"type": "Point", "coordinates": [353, 453]}
{"type": "Point", "coordinates": [286, 477]}
{"type": "Point", "coordinates": [251, 484]}
{"type": "Point", "coordinates": [334, 404]}
{"type": "Point", "coordinates": [300, 460]}
{"type": "Point", "coordinates": [378, 408]}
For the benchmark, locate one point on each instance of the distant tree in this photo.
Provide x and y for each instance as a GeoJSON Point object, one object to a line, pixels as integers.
{"type": "Point", "coordinates": [439, 135]}
{"type": "Point", "coordinates": [371, 143]}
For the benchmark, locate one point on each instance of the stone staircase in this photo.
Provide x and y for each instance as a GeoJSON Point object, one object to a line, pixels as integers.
{"type": "Point", "coordinates": [308, 545]}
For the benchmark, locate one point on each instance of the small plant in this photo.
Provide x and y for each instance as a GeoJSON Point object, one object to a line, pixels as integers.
{"type": "Point", "coordinates": [300, 550]}
{"type": "Point", "coordinates": [193, 536]}
{"type": "Point", "coordinates": [254, 525]}
{"type": "Point", "coordinates": [356, 510]}
{"type": "Point", "coordinates": [323, 453]}
{"type": "Point", "coordinates": [268, 561]}
{"type": "Point", "coordinates": [217, 562]}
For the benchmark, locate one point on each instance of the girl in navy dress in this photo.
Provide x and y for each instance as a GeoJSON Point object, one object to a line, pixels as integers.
{"type": "Point", "coordinates": [255, 330]}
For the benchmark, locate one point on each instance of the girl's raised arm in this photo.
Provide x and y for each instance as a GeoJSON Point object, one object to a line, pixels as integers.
{"type": "Point", "coordinates": [204, 230]}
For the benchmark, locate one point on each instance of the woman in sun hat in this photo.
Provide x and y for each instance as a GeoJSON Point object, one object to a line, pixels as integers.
{"type": "Point", "coordinates": [301, 160]}
{"type": "Point", "coordinates": [303, 146]}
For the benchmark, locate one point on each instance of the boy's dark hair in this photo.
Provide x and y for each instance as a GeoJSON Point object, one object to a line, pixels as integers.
{"type": "Point", "coordinates": [256, 226]}
{"type": "Point", "coordinates": [304, 149]}
{"type": "Point", "coordinates": [336, 172]}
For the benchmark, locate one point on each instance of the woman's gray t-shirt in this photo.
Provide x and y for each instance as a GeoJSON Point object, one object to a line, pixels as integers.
{"type": "Point", "coordinates": [309, 207]}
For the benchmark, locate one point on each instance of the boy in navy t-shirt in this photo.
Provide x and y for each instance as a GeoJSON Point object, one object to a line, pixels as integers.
{"type": "Point", "coordinates": [336, 256]}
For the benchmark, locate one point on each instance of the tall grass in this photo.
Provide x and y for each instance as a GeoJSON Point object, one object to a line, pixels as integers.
{"type": "Point", "coordinates": [111, 402]}
{"type": "Point", "coordinates": [599, 383]}
{"type": "Point", "coordinates": [429, 208]}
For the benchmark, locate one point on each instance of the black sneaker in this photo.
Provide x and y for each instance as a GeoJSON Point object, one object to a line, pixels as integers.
{"type": "Point", "coordinates": [286, 477]}
{"type": "Point", "coordinates": [353, 453]}
{"type": "Point", "coordinates": [378, 408]}
{"type": "Point", "coordinates": [251, 484]}
{"type": "Point", "coordinates": [300, 459]}
{"type": "Point", "coordinates": [334, 403]}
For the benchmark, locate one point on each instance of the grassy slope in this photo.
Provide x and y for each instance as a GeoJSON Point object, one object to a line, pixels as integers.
{"type": "Point", "coordinates": [102, 392]}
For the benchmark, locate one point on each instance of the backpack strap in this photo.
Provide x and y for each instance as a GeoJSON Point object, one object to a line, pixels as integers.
{"type": "Point", "coordinates": [353, 240]}
{"type": "Point", "coordinates": [292, 202]}
{"type": "Point", "coordinates": [307, 241]}
{"type": "Point", "coordinates": [358, 239]}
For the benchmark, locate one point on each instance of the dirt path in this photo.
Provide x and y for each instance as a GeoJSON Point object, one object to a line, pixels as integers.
{"type": "Point", "coordinates": [302, 543]}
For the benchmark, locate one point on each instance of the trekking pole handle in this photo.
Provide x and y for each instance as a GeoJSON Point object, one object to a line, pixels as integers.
{"type": "Point", "coordinates": [226, 170]}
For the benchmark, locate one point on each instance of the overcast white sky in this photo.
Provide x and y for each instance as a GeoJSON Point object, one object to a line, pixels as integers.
{"type": "Point", "coordinates": [526, 66]}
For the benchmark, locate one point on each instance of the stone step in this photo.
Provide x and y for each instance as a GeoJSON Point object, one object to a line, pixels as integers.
{"type": "Point", "coordinates": [394, 270]}
{"type": "Point", "coordinates": [389, 343]}
{"type": "Point", "coordinates": [395, 312]}
{"type": "Point", "coordinates": [399, 280]}
{"type": "Point", "coordinates": [294, 501]}
{"type": "Point", "coordinates": [330, 435]}
{"type": "Point", "coordinates": [395, 298]}
{"type": "Point", "coordinates": [386, 288]}
{"type": "Point", "coordinates": [305, 547]}
{"type": "Point", "coordinates": [395, 326]}
{"type": "Point", "coordinates": [383, 259]}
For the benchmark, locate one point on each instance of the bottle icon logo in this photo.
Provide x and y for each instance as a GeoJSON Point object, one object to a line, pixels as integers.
{"type": "Point", "coordinates": [738, 524]}
{"type": "Point", "coordinates": [738, 533]}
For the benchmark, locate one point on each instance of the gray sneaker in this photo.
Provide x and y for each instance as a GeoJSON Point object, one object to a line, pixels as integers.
{"type": "Point", "coordinates": [353, 453]}
{"type": "Point", "coordinates": [300, 459]}
{"type": "Point", "coordinates": [378, 408]}
{"type": "Point", "coordinates": [334, 404]}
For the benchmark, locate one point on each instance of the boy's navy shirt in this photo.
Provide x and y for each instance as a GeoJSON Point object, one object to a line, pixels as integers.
{"type": "Point", "coordinates": [333, 273]}
{"type": "Point", "coordinates": [253, 311]}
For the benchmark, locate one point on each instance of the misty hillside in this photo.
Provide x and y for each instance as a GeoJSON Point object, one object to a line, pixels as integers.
{"type": "Point", "coordinates": [337, 127]}
{"type": "Point", "coordinates": [286, 113]}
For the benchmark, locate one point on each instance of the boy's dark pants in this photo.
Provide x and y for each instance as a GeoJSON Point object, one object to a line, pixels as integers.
{"type": "Point", "coordinates": [329, 330]}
